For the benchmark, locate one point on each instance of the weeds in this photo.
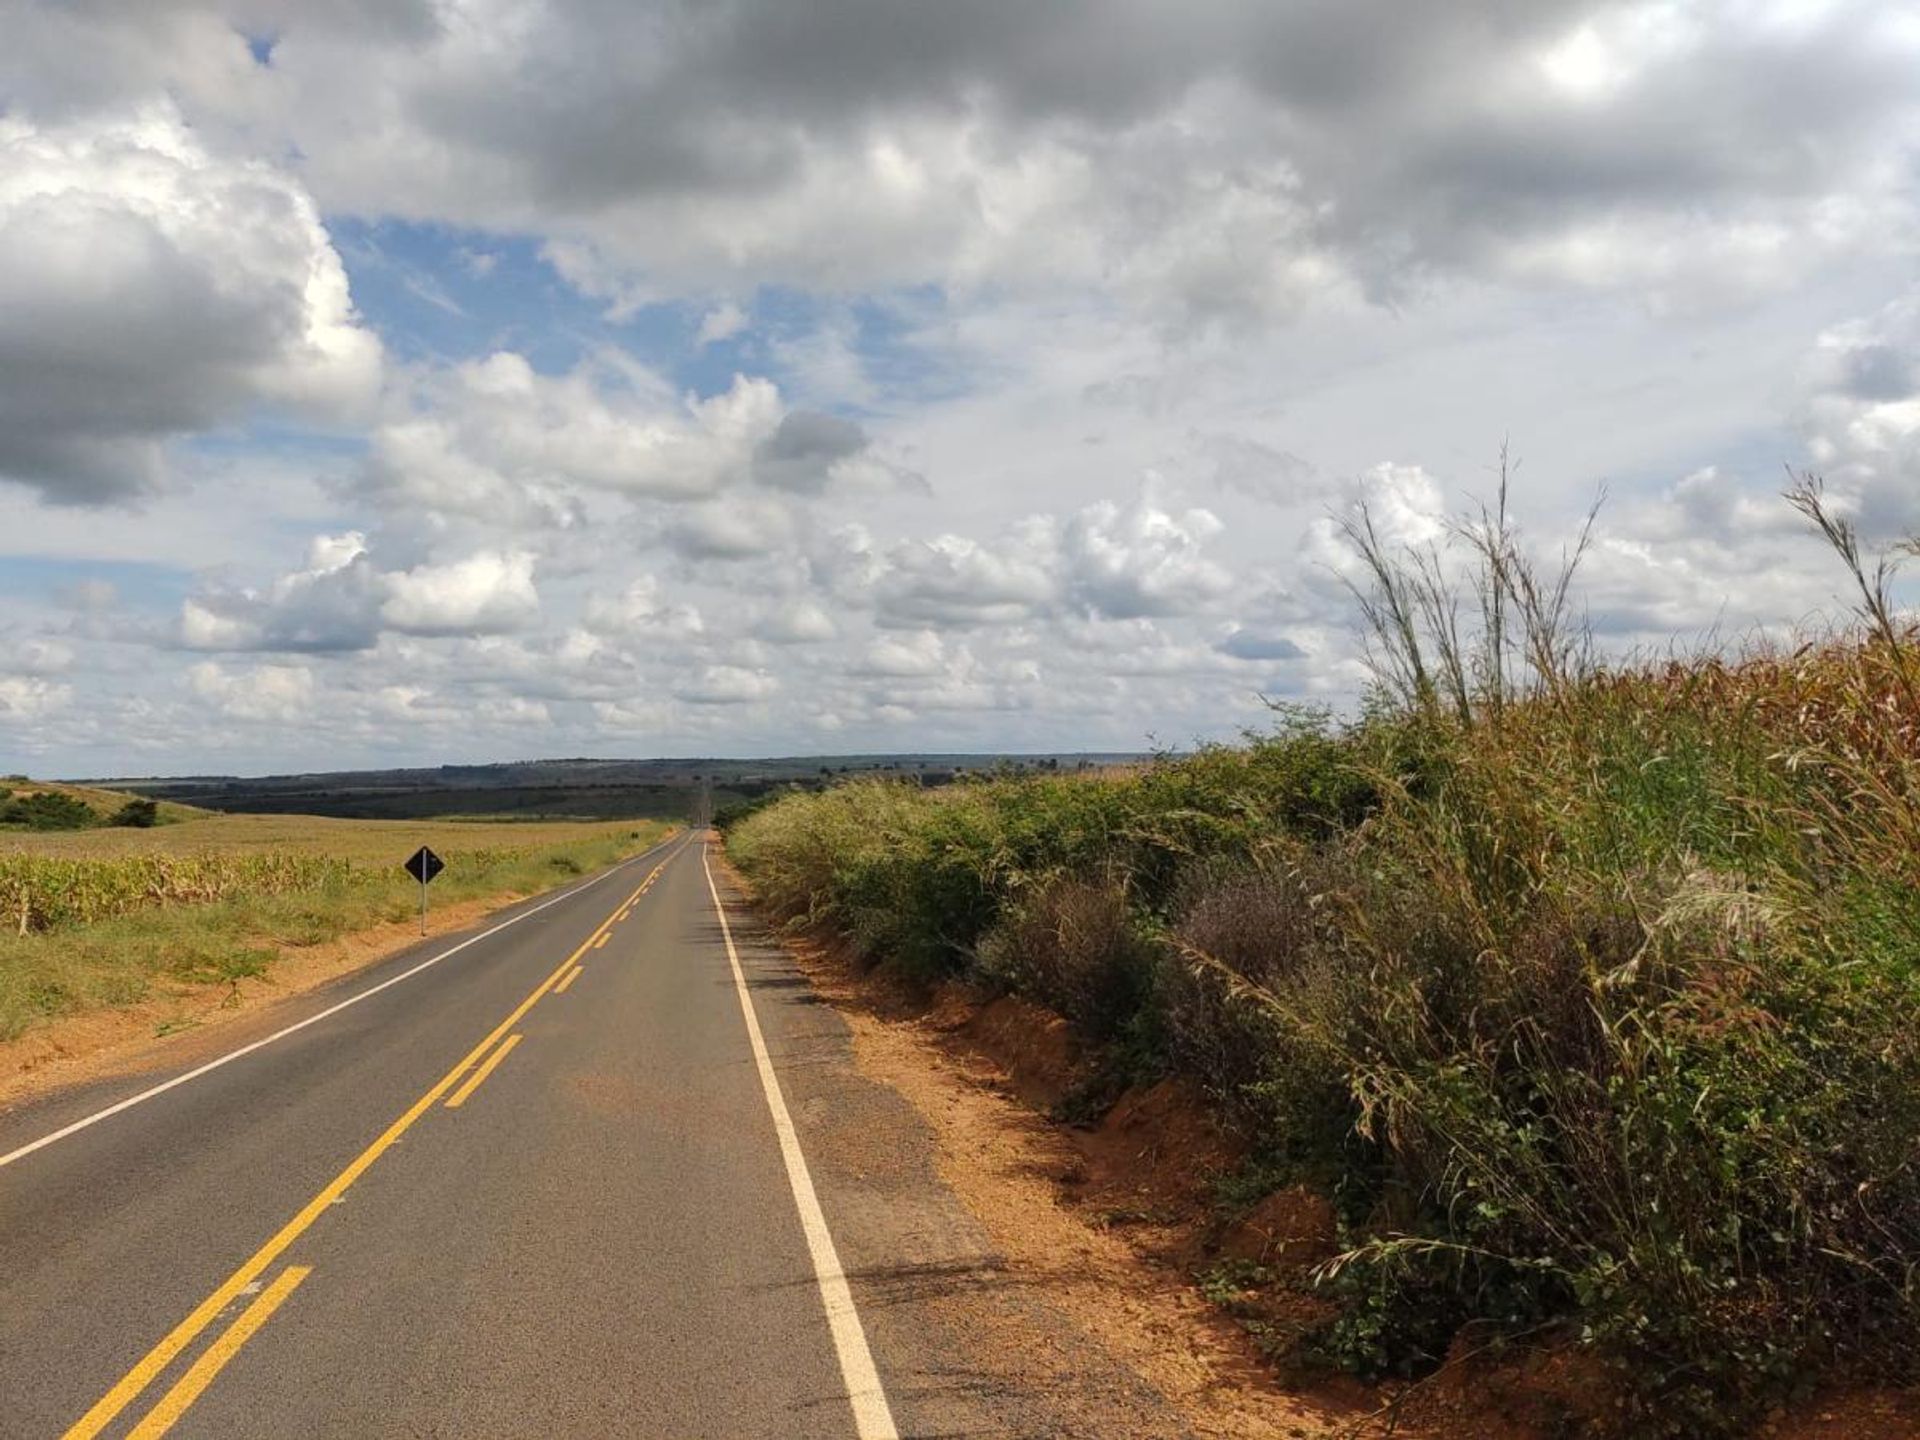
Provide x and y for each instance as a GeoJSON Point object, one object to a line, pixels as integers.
{"type": "Point", "coordinates": [1584, 991]}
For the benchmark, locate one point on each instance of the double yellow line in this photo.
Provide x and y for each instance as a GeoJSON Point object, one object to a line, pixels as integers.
{"type": "Point", "coordinates": [156, 1360]}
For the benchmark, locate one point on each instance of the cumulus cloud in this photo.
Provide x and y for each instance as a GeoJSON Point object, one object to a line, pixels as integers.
{"type": "Point", "coordinates": [920, 653]}
{"type": "Point", "coordinates": [803, 450]}
{"type": "Point", "coordinates": [1217, 158]}
{"type": "Point", "coordinates": [723, 322]}
{"type": "Point", "coordinates": [1245, 643]}
{"type": "Point", "coordinates": [795, 622]}
{"type": "Point", "coordinates": [1861, 415]}
{"type": "Point", "coordinates": [642, 609]}
{"type": "Point", "coordinates": [332, 604]}
{"type": "Point", "coordinates": [734, 528]}
{"type": "Point", "coordinates": [486, 593]}
{"type": "Point", "coordinates": [952, 580]}
{"type": "Point", "coordinates": [728, 685]}
{"type": "Point", "coordinates": [1137, 560]}
{"type": "Point", "coordinates": [264, 693]}
{"type": "Point", "coordinates": [27, 698]}
{"type": "Point", "coordinates": [153, 289]}
{"type": "Point", "coordinates": [342, 601]}
{"type": "Point", "coordinates": [496, 427]}
{"type": "Point", "coordinates": [1105, 560]}
{"type": "Point", "coordinates": [496, 439]}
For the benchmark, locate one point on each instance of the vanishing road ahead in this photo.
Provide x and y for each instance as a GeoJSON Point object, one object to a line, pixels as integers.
{"type": "Point", "coordinates": [602, 1167]}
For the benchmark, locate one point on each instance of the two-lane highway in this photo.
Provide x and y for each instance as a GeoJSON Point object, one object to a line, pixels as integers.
{"type": "Point", "coordinates": [553, 1179]}
{"type": "Point", "coordinates": [525, 1239]}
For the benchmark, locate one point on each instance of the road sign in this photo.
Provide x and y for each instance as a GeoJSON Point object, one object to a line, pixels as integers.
{"type": "Point", "coordinates": [423, 865]}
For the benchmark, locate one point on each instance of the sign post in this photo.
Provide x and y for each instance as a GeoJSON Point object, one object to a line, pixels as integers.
{"type": "Point", "coordinates": [423, 865]}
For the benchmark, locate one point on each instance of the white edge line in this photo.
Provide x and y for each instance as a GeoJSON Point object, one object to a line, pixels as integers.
{"type": "Point", "coordinates": [132, 1100]}
{"type": "Point", "coordinates": [872, 1417]}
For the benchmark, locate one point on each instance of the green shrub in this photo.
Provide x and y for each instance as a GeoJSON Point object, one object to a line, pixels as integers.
{"type": "Point", "coordinates": [45, 810]}
{"type": "Point", "coordinates": [137, 813]}
{"type": "Point", "coordinates": [1076, 946]}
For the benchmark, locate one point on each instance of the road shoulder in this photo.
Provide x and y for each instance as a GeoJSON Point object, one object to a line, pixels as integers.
{"type": "Point", "coordinates": [961, 1186]}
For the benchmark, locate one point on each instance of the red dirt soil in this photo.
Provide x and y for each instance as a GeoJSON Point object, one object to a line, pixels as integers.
{"type": "Point", "coordinates": [1144, 1175]}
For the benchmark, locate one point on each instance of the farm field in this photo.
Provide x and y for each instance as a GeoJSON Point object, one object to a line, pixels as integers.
{"type": "Point", "coordinates": [359, 841]}
{"type": "Point", "coordinates": [110, 916]}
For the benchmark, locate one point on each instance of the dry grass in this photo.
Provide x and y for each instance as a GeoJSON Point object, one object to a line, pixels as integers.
{"type": "Point", "coordinates": [361, 842]}
{"type": "Point", "coordinates": [100, 917]}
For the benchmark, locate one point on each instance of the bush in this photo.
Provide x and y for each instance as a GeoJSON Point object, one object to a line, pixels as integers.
{"type": "Point", "coordinates": [1076, 946]}
{"type": "Point", "coordinates": [137, 813]}
{"type": "Point", "coordinates": [45, 810]}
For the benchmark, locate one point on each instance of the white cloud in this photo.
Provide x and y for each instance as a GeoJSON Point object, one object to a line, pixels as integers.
{"type": "Point", "coordinates": [1861, 415]}
{"type": "Point", "coordinates": [1141, 560]}
{"type": "Point", "coordinates": [732, 529]}
{"type": "Point", "coordinates": [264, 693]}
{"type": "Point", "coordinates": [723, 322]}
{"type": "Point", "coordinates": [486, 593]}
{"type": "Point", "coordinates": [793, 621]}
{"type": "Point", "coordinates": [951, 580]}
{"type": "Point", "coordinates": [331, 605]}
{"type": "Point", "coordinates": [152, 290]}
{"type": "Point", "coordinates": [26, 698]}
{"type": "Point", "coordinates": [641, 608]}
{"type": "Point", "coordinates": [42, 655]}
{"type": "Point", "coordinates": [919, 653]}
{"type": "Point", "coordinates": [494, 439]}
{"type": "Point", "coordinates": [1209, 162]}
{"type": "Point", "coordinates": [728, 685]}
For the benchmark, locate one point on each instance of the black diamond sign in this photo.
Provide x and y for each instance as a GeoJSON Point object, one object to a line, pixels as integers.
{"type": "Point", "coordinates": [423, 865]}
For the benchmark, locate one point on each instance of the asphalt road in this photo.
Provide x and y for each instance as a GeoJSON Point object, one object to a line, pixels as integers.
{"type": "Point", "coordinates": [607, 1169]}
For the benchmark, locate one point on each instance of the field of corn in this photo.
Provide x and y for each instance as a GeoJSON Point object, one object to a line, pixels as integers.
{"type": "Point", "coordinates": [79, 877]}
{"type": "Point", "coordinates": [1585, 992]}
{"type": "Point", "coordinates": [103, 916]}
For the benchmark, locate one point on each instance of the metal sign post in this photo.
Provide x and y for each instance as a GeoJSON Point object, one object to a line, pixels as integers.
{"type": "Point", "coordinates": [423, 865]}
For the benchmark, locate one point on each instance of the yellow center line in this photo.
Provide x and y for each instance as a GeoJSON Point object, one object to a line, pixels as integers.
{"type": "Point", "coordinates": [149, 1367]}
{"type": "Point", "coordinates": [572, 975]}
{"type": "Point", "coordinates": [475, 1080]}
{"type": "Point", "coordinates": [175, 1402]}
{"type": "Point", "coordinates": [601, 942]}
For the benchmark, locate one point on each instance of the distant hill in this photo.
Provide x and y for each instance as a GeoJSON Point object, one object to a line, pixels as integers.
{"type": "Point", "coordinates": [103, 804]}
{"type": "Point", "coordinates": [583, 788]}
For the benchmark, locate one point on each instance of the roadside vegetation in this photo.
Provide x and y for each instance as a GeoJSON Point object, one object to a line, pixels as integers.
{"type": "Point", "coordinates": [107, 916]}
{"type": "Point", "coordinates": [1584, 990]}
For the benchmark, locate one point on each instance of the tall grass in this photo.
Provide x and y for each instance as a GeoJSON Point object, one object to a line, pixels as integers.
{"type": "Point", "coordinates": [1587, 991]}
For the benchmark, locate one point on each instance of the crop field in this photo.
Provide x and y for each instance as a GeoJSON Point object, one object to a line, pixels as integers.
{"type": "Point", "coordinates": [102, 916]}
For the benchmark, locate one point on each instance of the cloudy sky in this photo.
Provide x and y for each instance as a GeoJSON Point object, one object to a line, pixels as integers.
{"type": "Point", "coordinates": [392, 381]}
